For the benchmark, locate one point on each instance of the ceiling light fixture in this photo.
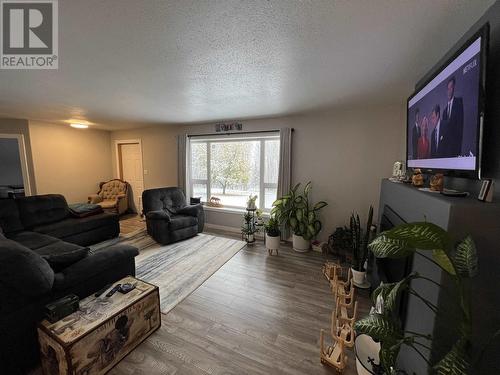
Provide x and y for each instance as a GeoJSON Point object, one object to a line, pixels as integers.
{"type": "Point", "coordinates": [79, 126]}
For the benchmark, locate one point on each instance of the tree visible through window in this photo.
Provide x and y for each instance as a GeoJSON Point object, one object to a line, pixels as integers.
{"type": "Point", "coordinates": [233, 168]}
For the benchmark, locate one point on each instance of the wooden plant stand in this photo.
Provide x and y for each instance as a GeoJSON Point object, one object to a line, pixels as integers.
{"type": "Point", "coordinates": [329, 270]}
{"type": "Point", "coordinates": [333, 355]}
{"type": "Point", "coordinates": [270, 251]}
{"type": "Point", "coordinates": [343, 317]}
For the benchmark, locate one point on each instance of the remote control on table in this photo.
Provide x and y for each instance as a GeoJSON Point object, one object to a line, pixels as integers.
{"type": "Point", "coordinates": [101, 291]}
{"type": "Point", "coordinates": [114, 290]}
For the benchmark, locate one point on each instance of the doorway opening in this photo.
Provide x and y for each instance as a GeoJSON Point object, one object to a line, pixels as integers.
{"type": "Point", "coordinates": [130, 169]}
{"type": "Point", "coordinates": [14, 178]}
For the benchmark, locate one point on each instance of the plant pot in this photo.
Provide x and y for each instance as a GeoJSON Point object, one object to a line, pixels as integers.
{"type": "Point", "coordinates": [250, 238]}
{"type": "Point", "coordinates": [358, 277]}
{"type": "Point", "coordinates": [272, 242]}
{"type": "Point", "coordinates": [300, 244]}
{"type": "Point", "coordinates": [366, 348]}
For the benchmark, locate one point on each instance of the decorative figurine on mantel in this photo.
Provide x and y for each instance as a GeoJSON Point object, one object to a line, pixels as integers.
{"type": "Point", "coordinates": [437, 182]}
{"type": "Point", "coordinates": [417, 179]}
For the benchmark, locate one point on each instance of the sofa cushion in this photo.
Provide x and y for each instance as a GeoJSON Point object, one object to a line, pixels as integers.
{"type": "Point", "coordinates": [42, 209]}
{"type": "Point", "coordinates": [32, 240]}
{"type": "Point", "coordinates": [23, 270]}
{"type": "Point", "coordinates": [107, 203]}
{"type": "Point", "coordinates": [158, 215]}
{"type": "Point", "coordinates": [84, 209]}
{"type": "Point", "coordinates": [9, 216]}
{"type": "Point", "coordinates": [62, 254]}
{"type": "Point", "coordinates": [182, 221]}
{"type": "Point", "coordinates": [104, 262]}
{"type": "Point", "coordinates": [71, 225]}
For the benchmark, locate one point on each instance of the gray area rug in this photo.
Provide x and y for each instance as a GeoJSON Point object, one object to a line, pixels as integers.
{"type": "Point", "coordinates": [179, 268]}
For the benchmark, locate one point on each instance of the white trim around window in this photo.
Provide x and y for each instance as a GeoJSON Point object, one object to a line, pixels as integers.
{"type": "Point", "coordinates": [257, 167]}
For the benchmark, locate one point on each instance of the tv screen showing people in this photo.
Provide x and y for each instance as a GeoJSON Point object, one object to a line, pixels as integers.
{"type": "Point", "coordinates": [443, 117]}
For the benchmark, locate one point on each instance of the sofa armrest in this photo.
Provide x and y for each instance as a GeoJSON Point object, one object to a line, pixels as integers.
{"type": "Point", "coordinates": [94, 198]}
{"type": "Point", "coordinates": [158, 215]}
{"type": "Point", "coordinates": [193, 210]}
{"type": "Point", "coordinates": [120, 196]}
{"type": "Point", "coordinates": [197, 211]}
{"type": "Point", "coordinates": [94, 265]}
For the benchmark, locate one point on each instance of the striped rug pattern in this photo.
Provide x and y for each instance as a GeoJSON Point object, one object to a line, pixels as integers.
{"type": "Point", "coordinates": [179, 268]}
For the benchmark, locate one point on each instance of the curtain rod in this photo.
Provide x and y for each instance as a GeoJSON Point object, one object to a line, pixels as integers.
{"type": "Point", "coordinates": [236, 132]}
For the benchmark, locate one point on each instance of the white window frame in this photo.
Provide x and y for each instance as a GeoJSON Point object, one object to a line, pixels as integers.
{"type": "Point", "coordinates": [209, 139]}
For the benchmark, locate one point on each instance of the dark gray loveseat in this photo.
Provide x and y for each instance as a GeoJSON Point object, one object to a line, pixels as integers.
{"type": "Point", "coordinates": [168, 217]}
{"type": "Point", "coordinates": [36, 268]}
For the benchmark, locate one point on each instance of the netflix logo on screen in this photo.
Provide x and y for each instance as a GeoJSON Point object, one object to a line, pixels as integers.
{"type": "Point", "coordinates": [470, 66]}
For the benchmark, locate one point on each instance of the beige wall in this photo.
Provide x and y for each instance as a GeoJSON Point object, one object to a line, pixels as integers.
{"type": "Point", "coordinates": [345, 153]}
{"type": "Point", "coordinates": [159, 153]}
{"type": "Point", "coordinates": [20, 126]}
{"type": "Point", "coordinates": [69, 161]}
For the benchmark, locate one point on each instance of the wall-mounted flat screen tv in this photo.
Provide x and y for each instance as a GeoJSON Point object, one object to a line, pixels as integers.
{"type": "Point", "coordinates": [445, 116]}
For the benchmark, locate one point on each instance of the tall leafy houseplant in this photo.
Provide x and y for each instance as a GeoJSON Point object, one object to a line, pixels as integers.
{"type": "Point", "coordinates": [459, 262]}
{"type": "Point", "coordinates": [298, 213]}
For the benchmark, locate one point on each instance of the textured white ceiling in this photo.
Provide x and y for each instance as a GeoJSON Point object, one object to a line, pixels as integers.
{"type": "Point", "coordinates": [125, 63]}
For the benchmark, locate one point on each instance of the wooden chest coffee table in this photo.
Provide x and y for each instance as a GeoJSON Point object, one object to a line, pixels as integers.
{"type": "Point", "coordinates": [103, 331]}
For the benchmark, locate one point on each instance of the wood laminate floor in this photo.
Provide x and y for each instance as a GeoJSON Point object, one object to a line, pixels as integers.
{"type": "Point", "coordinates": [258, 314]}
{"type": "Point", "coordinates": [130, 223]}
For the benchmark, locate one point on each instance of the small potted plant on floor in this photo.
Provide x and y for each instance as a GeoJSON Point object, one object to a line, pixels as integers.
{"type": "Point", "coordinates": [273, 234]}
{"type": "Point", "coordinates": [295, 211]}
{"type": "Point", "coordinates": [340, 244]}
{"type": "Point", "coordinates": [359, 240]}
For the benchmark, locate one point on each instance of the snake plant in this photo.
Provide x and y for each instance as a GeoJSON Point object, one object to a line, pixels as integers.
{"type": "Point", "coordinates": [459, 262]}
{"type": "Point", "coordinates": [360, 240]}
{"type": "Point", "coordinates": [295, 211]}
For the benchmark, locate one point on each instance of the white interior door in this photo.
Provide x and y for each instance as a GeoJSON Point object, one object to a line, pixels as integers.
{"type": "Point", "coordinates": [131, 171]}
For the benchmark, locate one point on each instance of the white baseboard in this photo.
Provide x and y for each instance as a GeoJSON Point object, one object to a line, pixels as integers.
{"type": "Point", "coordinates": [222, 227]}
{"type": "Point", "coordinates": [230, 229]}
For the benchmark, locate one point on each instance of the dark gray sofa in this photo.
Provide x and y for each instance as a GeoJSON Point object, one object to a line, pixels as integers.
{"type": "Point", "coordinates": [49, 214]}
{"type": "Point", "coordinates": [36, 268]}
{"type": "Point", "coordinates": [168, 217]}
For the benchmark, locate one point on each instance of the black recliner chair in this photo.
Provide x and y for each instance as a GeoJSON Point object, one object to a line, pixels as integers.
{"type": "Point", "coordinates": [168, 217]}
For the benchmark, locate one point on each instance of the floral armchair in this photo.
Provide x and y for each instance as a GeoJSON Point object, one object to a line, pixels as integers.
{"type": "Point", "coordinates": [112, 196]}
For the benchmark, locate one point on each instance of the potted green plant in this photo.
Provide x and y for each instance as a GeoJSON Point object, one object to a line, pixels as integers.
{"type": "Point", "coordinates": [259, 215]}
{"type": "Point", "coordinates": [295, 211]}
{"type": "Point", "coordinates": [340, 243]}
{"type": "Point", "coordinates": [459, 262]}
{"type": "Point", "coordinates": [248, 229]}
{"type": "Point", "coordinates": [273, 234]}
{"type": "Point", "coordinates": [251, 202]}
{"type": "Point", "coordinates": [360, 239]}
